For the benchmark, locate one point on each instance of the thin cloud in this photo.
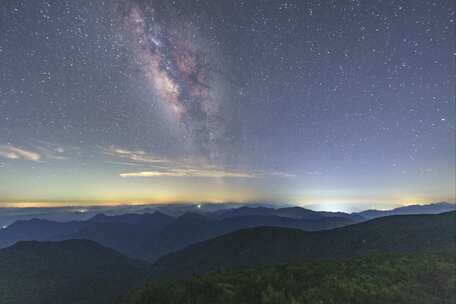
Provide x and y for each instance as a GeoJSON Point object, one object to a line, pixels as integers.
{"type": "Point", "coordinates": [134, 156]}
{"type": "Point", "coordinates": [190, 173]}
{"type": "Point", "coordinates": [159, 167]}
{"type": "Point", "coordinates": [12, 152]}
{"type": "Point", "coordinates": [279, 174]}
{"type": "Point", "coordinates": [52, 151]}
{"type": "Point", "coordinates": [39, 152]}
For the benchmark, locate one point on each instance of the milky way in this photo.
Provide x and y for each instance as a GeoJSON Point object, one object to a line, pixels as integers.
{"type": "Point", "coordinates": [178, 70]}
{"type": "Point", "coordinates": [318, 101]}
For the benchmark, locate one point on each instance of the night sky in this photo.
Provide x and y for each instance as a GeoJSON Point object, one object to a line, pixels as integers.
{"type": "Point", "coordinates": [341, 105]}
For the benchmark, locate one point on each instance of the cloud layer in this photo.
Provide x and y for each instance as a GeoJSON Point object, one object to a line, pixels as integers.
{"type": "Point", "coordinates": [159, 167]}
{"type": "Point", "coordinates": [37, 152]}
{"type": "Point", "coordinates": [180, 172]}
{"type": "Point", "coordinates": [13, 152]}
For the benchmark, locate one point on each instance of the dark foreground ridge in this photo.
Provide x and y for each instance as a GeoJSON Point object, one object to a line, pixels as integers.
{"type": "Point", "coordinates": [269, 245]}
{"type": "Point", "coordinates": [72, 271]}
{"type": "Point", "coordinates": [403, 278]}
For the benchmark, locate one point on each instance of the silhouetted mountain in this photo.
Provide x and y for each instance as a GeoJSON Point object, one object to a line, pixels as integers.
{"type": "Point", "coordinates": [97, 227]}
{"type": "Point", "coordinates": [411, 209]}
{"type": "Point", "coordinates": [352, 216]}
{"type": "Point", "coordinates": [150, 236]}
{"type": "Point", "coordinates": [291, 212]}
{"type": "Point", "coordinates": [244, 211]}
{"type": "Point", "coordinates": [288, 212]}
{"type": "Point", "coordinates": [192, 228]}
{"type": "Point", "coordinates": [192, 217]}
{"type": "Point", "coordinates": [325, 223]}
{"type": "Point", "coordinates": [82, 271]}
{"type": "Point", "coordinates": [70, 272]}
{"type": "Point", "coordinates": [141, 242]}
{"type": "Point", "coordinates": [36, 229]}
{"type": "Point", "coordinates": [150, 221]}
{"type": "Point", "coordinates": [126, 233]}
{"type": "Point", "coordinates": [154, 220]}
{"type": "Point", "coordinates": [270, 245]}
{"type": "Point", "coordinates": [302, 213]}
{"type": "Point", "coordinates": [177, 210]}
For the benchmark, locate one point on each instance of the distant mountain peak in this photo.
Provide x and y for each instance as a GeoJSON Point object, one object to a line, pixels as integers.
{"type": "Point", "coordinates": [72, 243]}
{"type": "Point", "coordinates": [192, 216]}
{"type": "Point", "coordinates": [157, 213]}
{"type": "Point", "coordinates": [98, 217]}
{"type": "Point", "coordinates": [433, 208]}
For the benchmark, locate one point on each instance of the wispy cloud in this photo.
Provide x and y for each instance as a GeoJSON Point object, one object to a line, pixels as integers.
{"type": "Point", "coordinates": [134, 156]}
{"type": "Point", "coordinates": [278, 174]}
{"type": "Point", "coordinates": [39, 151]}
{"type": "Point", "coordinates": [190, 173]}
{"type": "Point", "coordinates": [158, 167]}
{"type": "Point", "coordinates": [52, 151]}
{"type": "Point", "coordinates": [13, 152]}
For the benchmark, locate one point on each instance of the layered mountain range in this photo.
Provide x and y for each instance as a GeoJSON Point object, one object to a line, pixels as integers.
{"type": "Point", "coordinates": [83, 271]}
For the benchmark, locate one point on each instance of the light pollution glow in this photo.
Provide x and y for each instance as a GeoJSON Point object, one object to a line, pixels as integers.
{"type": "Point", "coordinates": [121, 176]}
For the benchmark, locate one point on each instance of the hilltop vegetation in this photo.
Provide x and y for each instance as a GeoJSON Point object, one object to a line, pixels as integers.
{"type": "Point", "coordinates": [414, 279]}
{"type": "Point", "coordinates": [74, 271]}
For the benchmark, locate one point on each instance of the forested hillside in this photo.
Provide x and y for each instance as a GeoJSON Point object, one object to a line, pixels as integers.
{"type": "Point", "coordinates": [270, 245]}
{"type": "Point", "coordinates": [68, 272]}
{"type": "Point", "coordinates": [406, 279]}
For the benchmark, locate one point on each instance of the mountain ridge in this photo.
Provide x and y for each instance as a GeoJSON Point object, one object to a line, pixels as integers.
{"type": "Point", "coordinates": [149, 236]}
{"type": "Point", "coordinates": [270, 245]}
